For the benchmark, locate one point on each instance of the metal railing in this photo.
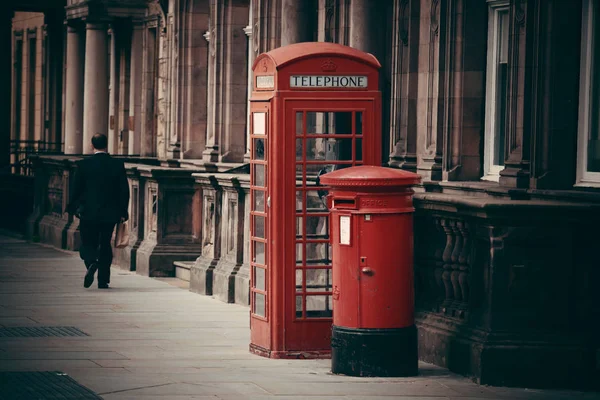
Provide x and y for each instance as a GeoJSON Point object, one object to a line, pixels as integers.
{"type": "Point", "coordinates": [22, 150]}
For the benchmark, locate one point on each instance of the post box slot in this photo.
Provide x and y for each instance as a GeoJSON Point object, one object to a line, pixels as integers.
{"type": "Point", "coordinates": [344, 203]}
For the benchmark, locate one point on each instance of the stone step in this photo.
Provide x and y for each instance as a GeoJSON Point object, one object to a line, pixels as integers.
{"type": "Point", "coordinates": [182, 269]}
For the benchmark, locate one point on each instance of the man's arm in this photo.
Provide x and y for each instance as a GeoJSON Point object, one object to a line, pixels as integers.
{"type": "Point", "coordinates": [123, 192]}
{"type": "Point", "coordinates": [77, 192]}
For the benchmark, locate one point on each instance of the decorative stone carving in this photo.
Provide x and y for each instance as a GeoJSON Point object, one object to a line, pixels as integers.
{"type": "Point", "coordinates": [435, 17]}
{"type": "Point", "coordinates": [202, 272]}
{"type": "Point", "coordinates": [171, 199]}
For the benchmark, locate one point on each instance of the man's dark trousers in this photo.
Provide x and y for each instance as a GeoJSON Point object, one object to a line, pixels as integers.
{"type": "Point", "coordinates": [96, 247]}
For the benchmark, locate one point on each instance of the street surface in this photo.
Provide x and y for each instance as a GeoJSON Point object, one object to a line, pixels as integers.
{"type": "Point", "coordinates": [153, 339]}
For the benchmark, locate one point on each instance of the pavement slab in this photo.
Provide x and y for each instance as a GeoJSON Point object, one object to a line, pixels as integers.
{"type": "Point", "coordinates": [153, 339]}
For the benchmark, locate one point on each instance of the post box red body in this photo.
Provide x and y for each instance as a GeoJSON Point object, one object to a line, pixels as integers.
{"type": "Point", "coordinates": [373, 287]}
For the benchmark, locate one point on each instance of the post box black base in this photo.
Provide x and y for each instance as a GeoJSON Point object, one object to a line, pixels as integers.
{"type": "Point", "coordinates": [374, 352]}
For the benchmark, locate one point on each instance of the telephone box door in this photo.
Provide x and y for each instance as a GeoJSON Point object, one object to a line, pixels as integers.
{"type": "Point", "coordinates": [320, 136]}
{"type": "Point", "coordinates": [260, 163]}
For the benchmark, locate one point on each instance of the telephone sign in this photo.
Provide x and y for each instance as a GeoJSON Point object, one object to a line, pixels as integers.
{"type": "Point", "coordinates": [328, 81]}
{"type": "Point", "coordinates": [315, 108]}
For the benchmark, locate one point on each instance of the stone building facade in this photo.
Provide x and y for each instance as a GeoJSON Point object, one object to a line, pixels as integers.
{"type": "Point", "coordinates": [493, 102]}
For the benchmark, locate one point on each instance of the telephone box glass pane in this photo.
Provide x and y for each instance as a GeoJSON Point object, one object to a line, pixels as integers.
{"type": "Point", "coordinates": [299, 280]}
{"type": "Point", "coordinates": [359, 123]}
{"type": "Point", "coordinates": [318, 280]}
{"type": "Point", "coordinates": [314, 202]}
{"type": "Point", "coordinates": [299, 231]}
{"type": "Point", "coordinates": [313, 170]}
{"type": "Point", "coordinates": [259, 201]}
{"type": "Point", "coordinates": [318, 307]}
{"type": "Point", "coordinates": [299, 130]}
{"type": "Point", "coordinates": [259, 253]}
{"type": "Point", "coordinates": [358, 156]}
{"type": "Point", "coordinates": [299, 306]}
{"type": "Point", "coordinates": [317, 254]}
{"type": "Point", "coordinates": [317, 227]}
{"type": "Point", "coordinates": [259, 149]}
{"type": "Point", "coordinates": [259, 123]}
{"type": "Point", "coordinates": [259, 304]}
{"type": "Point", "coordinates": [259, 175]}
{"type": "Point", "coordinates": [299, 253]}
{"type": "Point", "coordinates": [299, 200]}
{"type": "Point", "coordinates": [328, 123]}
{"type": "Point", "coordinates": [299, 147]}
{"type": "Point", "coordinates": [329, 149]}
{"type": "Point", "coordinates": [259, 278]}
{"type": "Point", "coordinates": [259, 226]}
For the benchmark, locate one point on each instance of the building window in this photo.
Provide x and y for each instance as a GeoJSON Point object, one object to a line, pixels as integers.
{"type": "Point", "coordinates": [496, 87]}
{"type": "Point", "coordinates": [588, 152]}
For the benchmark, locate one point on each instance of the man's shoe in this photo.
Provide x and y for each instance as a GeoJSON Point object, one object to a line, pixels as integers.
{"type": "Point", "coordinates": [103, 286]}
{"type": "Point", "coordinates": [89, 275]}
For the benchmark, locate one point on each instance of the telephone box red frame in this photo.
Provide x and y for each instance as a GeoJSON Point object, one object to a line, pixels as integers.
{"type": "Point", "coordinates": [325, 96]}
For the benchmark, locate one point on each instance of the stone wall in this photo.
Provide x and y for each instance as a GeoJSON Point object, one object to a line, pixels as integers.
{"type": "Point", "coordinates": [222, 270]}
{"type": "Point", "coordinates": [500, 280]}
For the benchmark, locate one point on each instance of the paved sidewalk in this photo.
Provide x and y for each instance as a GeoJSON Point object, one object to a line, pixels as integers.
{"type": "Point", "coordinates": [149, 339]}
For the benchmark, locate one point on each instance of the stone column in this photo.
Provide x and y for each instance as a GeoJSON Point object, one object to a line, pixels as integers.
{"type": "Point", "coordinates": [149, 93]}
{"type": "Point", "coordinates": [95, 101]}
{"type": "Point", "coordinates": [226, 131]}
{"type": "Point", "coordinates": [74, 92]}
{"type": "Point", "coordinates": [135, 90]}
{"type": "Point", "coordinates": [192, 84]}
{"type": "Point", "coordinates": [6, 38]}
{"type": "Point", "coordinates": [124, 59]}
{"type": "Point", "coordinates": [430, 91]}
{"type": "Point", "coordinates": [113, 101]}
{"type": "Point", "coordinates": [54, 76]}
{"type": "Point", "coordinates": [403, 110]}
{"type": "Point", "coordinates": [297, 21]}
{"type": "Point", "coordinates": [248, 31]}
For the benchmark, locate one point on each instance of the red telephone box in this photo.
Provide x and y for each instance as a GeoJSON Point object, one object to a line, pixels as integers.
{"type": "Point", "coordinates": [315, 108]}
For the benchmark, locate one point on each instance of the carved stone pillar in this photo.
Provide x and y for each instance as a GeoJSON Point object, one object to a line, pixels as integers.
{"type": "Point", "coordinates": [6, 38]}
{"type": "Point", "coordinates": [334, 21]}
{"type": "Point", "coordinates": [366, 26]}
{"type": "Point", "coordinates": [74, 91]}
{"type": "Point", "coordinates": [124, 87]}
{"type": "Point", "coordinates": [297, 21]}
{"type": "Point", "coordinates": [113, 100]}
{"type": "Point", "coordinates": [431, 90]}
{"type": "Point", "coordinates": [266, 35]}
{"type": "Point", "coordinates": [233, 236]}
{"type": "Point", "coordinates": [519, 105]}
{"type": "Point", "coordinates": [201, 274]}
{"type": "Point", "coordinates": [54, 77]}
{"type": "Point", "coordinates": [193, 82]}
{"type": "Point", "coordinates": [148, 115]}
{"type": "Point", "coordinates": [171, 226]}
{"type": "Point", "coordinates": [135, 92]}
{"type": "Point", "coordinates": [554, 127]}
{"type": "Point", "coordinates": [248, 31]}
{"type": "Point", "coordinates": [227, 86]}
{"type": "Point", "coordinates": [173, 74]}
{"type": "Point", "coordinates": [95, 101]}
{"type": "Point", "coordinates": [404, 91]}
{"type": "Point", "coordinates": [464, 88]}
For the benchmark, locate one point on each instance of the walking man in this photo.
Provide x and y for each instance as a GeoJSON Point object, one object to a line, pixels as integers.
{"type": "Point", "coordinates": [100, 200]}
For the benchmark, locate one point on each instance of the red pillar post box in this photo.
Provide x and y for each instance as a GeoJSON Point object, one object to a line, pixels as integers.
{"type": "Point", "coordinates": [373, 287]}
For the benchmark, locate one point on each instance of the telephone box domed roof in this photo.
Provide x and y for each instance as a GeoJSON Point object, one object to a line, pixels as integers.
{"type": "Point", "coordinates": [298, 51]}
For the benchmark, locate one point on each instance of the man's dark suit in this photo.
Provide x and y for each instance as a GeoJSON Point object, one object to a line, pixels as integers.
{"type": "Point", "coordinates": [100, 199]}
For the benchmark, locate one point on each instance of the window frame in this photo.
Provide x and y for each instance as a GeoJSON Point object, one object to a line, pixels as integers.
{"type": "Point", "coordinates": [586, 178]}
{"type": "Point", "coordinates": [491, 172]}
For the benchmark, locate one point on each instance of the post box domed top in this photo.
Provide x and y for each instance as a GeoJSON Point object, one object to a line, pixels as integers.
{"type": "Point", "coordinates": [370, 176]}
{"type": "Point", "coordinates": [298, 51]}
